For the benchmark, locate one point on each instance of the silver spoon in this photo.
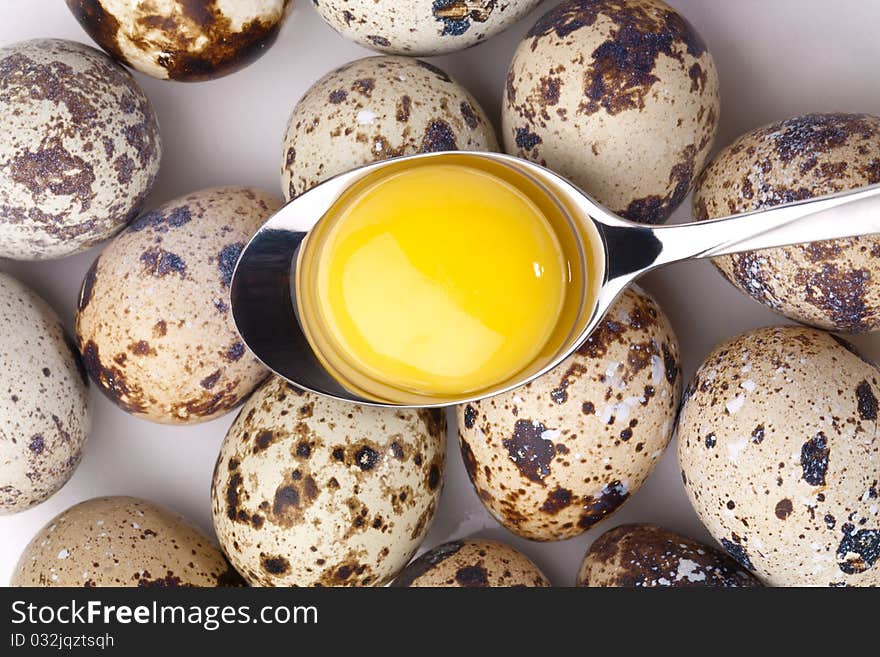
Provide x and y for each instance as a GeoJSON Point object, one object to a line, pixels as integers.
{"type": "Point", "coordinates": [617, 250]}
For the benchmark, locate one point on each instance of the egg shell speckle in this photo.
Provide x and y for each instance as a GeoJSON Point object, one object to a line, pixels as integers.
{"type": "Point", "coordinates": [181, 39]}
{"type": "Point", "coordinates": [554, 457]}
{"type": "Point", "coordinates": [780, 456]}
{"type": "Point", "coordinates": [833, 285]}
{"type": "Point", "coordinates": [79, 148]}
{"type": "Point", "coordinates": [422, 27]}
{"type": "Point", "coordinates": [154, 324]}
{"type": "Point", "coordinates": [620, 96]}
{"type": "Point", "coordinates": [309, 491]}
{"type": "Point", "coordinates": [643, 555]}
{"type": "Point", "coordinates": [373, 109]}
{"type": "Point", "coordinates": [122, 542]}
{"type": "Point", "coordinates": [45, 415]}
{"type": "Point", "coordinates": [472, 563]}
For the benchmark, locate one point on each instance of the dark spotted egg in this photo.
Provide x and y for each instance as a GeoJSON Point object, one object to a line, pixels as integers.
{"type": "Point", "coordinates": [643, 555]}
{"type": "Point", "coordinates": [554, 457]}
{"type": "Point", "coordinates": [833, 285]}
{"type": "Point", "coordinates": [154, 325]}
{"type": "Point", "coordinates": [472, 562]}
{"type": "Point", "coordinates": [620, 96]}
{"type": "Point", "coordinates": [79, 148]}
{"type": "Point", "coordinates": [373, 109]}
{"type": "Point", "coordinates": [311, 491]}
{"type": "Point", "coordinates": [44, 400]}
{"type": "Point", "coordinates": [181, 39]}
{"type": "Point", "coordinates": [422, 27]}
{"type": "Point", "coordinates": [780, 456]}
{"type": "Point", "coordinates": [122, 542]}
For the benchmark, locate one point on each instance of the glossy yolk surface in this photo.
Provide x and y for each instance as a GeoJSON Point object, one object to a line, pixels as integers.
{"type": "Point", "coordinates": [440, 279]}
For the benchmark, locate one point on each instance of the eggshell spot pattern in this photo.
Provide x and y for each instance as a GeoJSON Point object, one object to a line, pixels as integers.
{"type": "Point", "coordinates": [643, 555]}
{"type": "Point", "coordinates": [554, 457]}
{"type": "Point", "coordinates": [780, 456]}
{"type": "Point", "coordinates": [154, 324]}
{"type": "Point", "coordinates": [833, 285]}
{"type": "Point", "coordinates": [310, 491]}
{"type": "Point", "coordinates": [122, 542]}
{"type": "Point", "coordinates": [472, 563]}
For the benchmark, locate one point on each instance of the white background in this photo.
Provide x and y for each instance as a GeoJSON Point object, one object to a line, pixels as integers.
{"type": "Point", "coordinates": [776, 58]}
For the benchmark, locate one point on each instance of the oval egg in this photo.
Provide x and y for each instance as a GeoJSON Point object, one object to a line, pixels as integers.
{"type": "Point", "coordinates": [779, 453]}
{"type": "Point", "coordinates": [554, 457]}
{"type": "Point", "coordinates": [122, 542]}
{"type": "Point", "coordinates": [154, 324]}
{"type": "Point", "coordinates": [45, 415]}
{"type": "Point", "coordinates": [833, 285]}
{"type": "Point", "coordinates": [183, 40]}
{"type": "Point", "coordinates": [622, 98]}
{"type": "Point", "coordinates": [374, 109]}
{"type": "Point", "coordinates": [79, 148]}
{"type": "Point", "coordinates": [471, 563]}
{"type": "Point", "coordinates": [312, 491]}
{"type": "Point", "coordinates": [422, 27]}
{"type": "Point", "coordinates": [643, 555]}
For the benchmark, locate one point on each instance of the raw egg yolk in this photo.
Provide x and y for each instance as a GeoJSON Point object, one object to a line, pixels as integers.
{"type": "Point", "coordinates": [440, 279]}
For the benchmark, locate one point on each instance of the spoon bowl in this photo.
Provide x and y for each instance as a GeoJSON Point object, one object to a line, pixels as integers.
{"type": "Point", "coordinates": [606, 253]}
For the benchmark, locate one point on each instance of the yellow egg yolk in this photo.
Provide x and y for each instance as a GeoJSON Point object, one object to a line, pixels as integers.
{"type": "Point", "coordinates": [440, 279]}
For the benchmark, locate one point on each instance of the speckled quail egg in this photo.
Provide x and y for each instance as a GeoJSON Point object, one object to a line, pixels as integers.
{"type": "Point", "coordinates": [154, 325]}
{"type": "Point", "coordinates": [833, 285]}
{"type": "Point", "coordinates": [472, 563]}
{"type": "Point", "coordinates": [44, 400]}
{"type": "Point", "coordinates": [79, 148]}
{"type": "Point", "coordinates": [554, 457]}
{"type": "Point", "coordinates": [620, 96]}
{"type": "Point", "coordinates": [643, 555]}
{"type": "Point", "coordinates": [122, 541]}
{"type": "Point", "coordinates": [780, 456]}
{"type": "Point", "coordinates": [373, 109]}
{"type": "Point", "coordinates": [422, 27]}
{"type": "Point", "coordinates": [180, 39]}
{"type": "Point", "coordinates": [311, 491]}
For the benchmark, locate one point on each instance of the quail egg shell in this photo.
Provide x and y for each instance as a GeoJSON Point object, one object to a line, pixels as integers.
{"type": "Point", "coordinates": [620, 96]}
{"type": "Point", "coordinates": [122, 542]}
{"type": "Point", "coordinates": [472, 563]}
{"type": "Point", "coordinates": [154, 324]}
{"type": "Point", "coordinates": [643, 555]}
{"type": "Point", "coordinates": [780, 456]}
{"type": "Point", "coordinates": [422, 27]}
{"type": "Point", "coordinates": [373, 109]}
{"type": "Point", "coordinates": [181, 39]}
{"type": "Point", "coordinates": [311, 491]}
{"type": "Point", "coordinates": [45, 417]}
{"type": "Point", "coordinates": [554, 457]}
{"type": "Point", "coordinates": [79, 148]}
{"type": "Point", "coordinates": [833, 285]}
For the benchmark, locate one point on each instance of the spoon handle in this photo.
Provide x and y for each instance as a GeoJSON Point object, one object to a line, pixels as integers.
{"type": "Point", "coordinates": [845, 214]}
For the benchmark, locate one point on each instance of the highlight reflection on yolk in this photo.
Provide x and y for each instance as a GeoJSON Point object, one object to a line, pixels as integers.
{"type": "Point", "coordinates": [440, 279]}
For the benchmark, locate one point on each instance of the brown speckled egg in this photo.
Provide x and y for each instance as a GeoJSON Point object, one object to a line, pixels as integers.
{"type": "Point", "coordinates": [422, 27]}
{"type": "Point", "coordinates": [620, 96]}
{"type": "Point", "coordinates": [644, 555]}
{"type": "Point", "coordinates": [154, 324]}
{"type": "Point", "coordinates": [472, 563]}
{"type": "Point", "coordinates": [181, 39]}
{"type": "Point", "coordinates": [554, 457]}
{"type": "Point", "coordinates": [122, 541]}
{"type": "Point", "coordinates": [310, 491]}
{"type": "Point", "coordinates": [373, 109]}
{"type": "Point", "coordinates": [79, 148]}
{"type": "Point", "coordinates": [833, 285]}
{"type": "Point", "coordinates": [780, 455]}
{"type": "Point", "coordinates": [44, 400]}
